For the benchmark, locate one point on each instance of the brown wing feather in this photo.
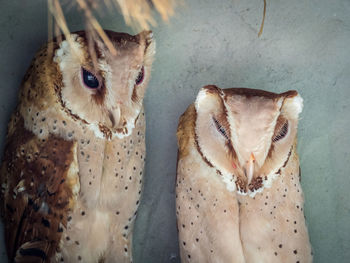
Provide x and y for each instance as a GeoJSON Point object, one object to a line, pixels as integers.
{"type": "Point", "coordinates": [185, 130]}
{"type": "Point", "coordinates": [37, 178]}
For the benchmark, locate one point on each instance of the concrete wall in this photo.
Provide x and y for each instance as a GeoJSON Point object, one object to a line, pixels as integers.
{"type": "Point", "coordinates": [305, 46]}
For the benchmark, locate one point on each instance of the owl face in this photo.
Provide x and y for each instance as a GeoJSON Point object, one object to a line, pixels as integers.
{"type": "Point", "coordinates": [246, 134]}
{"type": "Point", "coordinates": [106, 95]}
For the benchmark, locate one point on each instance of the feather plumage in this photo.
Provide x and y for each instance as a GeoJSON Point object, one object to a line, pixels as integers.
{"type": "Point", "coordinates": [75, 152]}
{"type": "Point", "coordinates": [238, 194]}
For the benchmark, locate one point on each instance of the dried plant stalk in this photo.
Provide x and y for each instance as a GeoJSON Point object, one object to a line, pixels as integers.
{"type": "Point", "coordinates": [263, 20]}
{"type": "Point", "coordinates": [96, 26]}
{"type": "Point", "coordinates": [57, 12]}
{"type": "Point", "coordinates": [137, 13]}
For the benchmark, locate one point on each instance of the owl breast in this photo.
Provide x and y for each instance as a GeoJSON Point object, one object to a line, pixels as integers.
{"type": "Point", "coordinates": [111, 175]}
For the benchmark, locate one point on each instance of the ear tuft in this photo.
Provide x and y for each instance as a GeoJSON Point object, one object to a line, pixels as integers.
{"type": "Point", "coordinates": [203, 95]}
{"type": "Point", "coordinates": [298, 103]}
{"type": "Point", "coordinates": [150, 47]}
{"type": "Point", "coordinates": [293, 106]}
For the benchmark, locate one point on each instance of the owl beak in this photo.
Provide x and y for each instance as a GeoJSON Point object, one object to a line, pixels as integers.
{"type": "Point", "coordinates": [113, 118]}
{"type": "Point", "coordinates": [249, 169]}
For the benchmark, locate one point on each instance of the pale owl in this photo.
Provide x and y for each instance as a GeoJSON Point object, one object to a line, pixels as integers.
{"type": "Point", "coordinates": [238, 193]}
{"type": "Point", "coordinates": [72, 170]}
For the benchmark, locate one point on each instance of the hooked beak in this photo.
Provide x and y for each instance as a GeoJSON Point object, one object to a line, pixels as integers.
{"type": "Point", "coordinates": [249, 169]}
{"type": "Point", "coordinates": [113, 118]}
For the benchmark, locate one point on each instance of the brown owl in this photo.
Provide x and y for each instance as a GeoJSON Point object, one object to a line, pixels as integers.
{"type": "Point", "coordinates": [238, 193]}
{"type": "Point", "coordinates": [72, 170]}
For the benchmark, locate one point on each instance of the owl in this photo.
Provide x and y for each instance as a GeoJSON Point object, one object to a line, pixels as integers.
{"type": "Point", "coordinates": [72, 170]}
{"type": "Point", "coordinates": [238, 193]}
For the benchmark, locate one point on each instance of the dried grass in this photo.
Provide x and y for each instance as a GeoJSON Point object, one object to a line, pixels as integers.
{"type": "Point", "coordinates": [263, 20]}
{"type": "Point", "coordinates": [138, 14]}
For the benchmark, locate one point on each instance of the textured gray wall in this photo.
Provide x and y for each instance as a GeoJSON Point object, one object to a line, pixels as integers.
{"type": "Point", "coordinates": [305, 46]}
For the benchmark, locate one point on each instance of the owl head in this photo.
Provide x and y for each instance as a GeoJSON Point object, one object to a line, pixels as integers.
{"type": "Point", "coordinates": [247, 135]}
{"type": "Point", "coordinates": [103, 92]}
{"type": "Point", "coordinates": [107, 96]}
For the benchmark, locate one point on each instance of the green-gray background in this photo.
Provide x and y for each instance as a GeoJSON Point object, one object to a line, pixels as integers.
{"type": "Point", "coordinates": [305, 46]}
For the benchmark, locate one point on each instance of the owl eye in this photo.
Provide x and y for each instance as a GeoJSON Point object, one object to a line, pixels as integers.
{"type": "Point", "coordinates": [140, 76]}
{"type": "Point", "coordinates": [89, 79]}
{"type": "Point", "coordinates": [282, 132]}
{"type": "Point", "coordinates": [220, 128]}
